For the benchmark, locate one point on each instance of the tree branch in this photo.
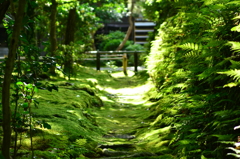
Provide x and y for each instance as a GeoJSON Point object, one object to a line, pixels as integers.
{"type": "Point", "coordinates": [3, 9]}
{"type": "Point", "coordinates": [130, 28]}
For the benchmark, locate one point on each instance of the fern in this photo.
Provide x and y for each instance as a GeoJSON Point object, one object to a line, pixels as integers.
{"type": "Point", "coordinates": [235, 46]}
{"type": "Point", "coordinates": [190, 59]}
{"type": "Point", "coordinates": [235, 64]}
{"type": "Point", "coordinates": [235, 74]}
{"type": "Point", "coordinates": [236, 152]}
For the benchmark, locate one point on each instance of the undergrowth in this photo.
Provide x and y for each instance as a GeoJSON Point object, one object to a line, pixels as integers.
{"type": "Point", "coordinates": [72, 130]}
{"type": "Point", "coordinates": [189, 60]}
{"type": "Point", "coordinates": [69, 121]}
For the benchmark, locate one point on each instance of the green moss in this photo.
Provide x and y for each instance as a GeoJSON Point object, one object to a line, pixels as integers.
{"type": "Point", "coordinates": [69, 111]}
{"type": "Point", "coordinates": [76, 112]}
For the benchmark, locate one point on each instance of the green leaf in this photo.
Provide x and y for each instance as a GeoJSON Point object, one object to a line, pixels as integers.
{"type": "Point", "coordinates": [25, 105]}
{"type": "Point", "coordinates": [35, 89]}
{"type": "Point", "coordinates": [203, 157]}
{"type": "Point", "coordinates": [26, 112]}
{"type": "Point", "coordinates": [29, 86]}
{"type": "Point", "coordinates": [232, 84]}
{"type": "Point", "coordinates": [19, 83]}
{"type": "Point", "coordinates": [29, 97]}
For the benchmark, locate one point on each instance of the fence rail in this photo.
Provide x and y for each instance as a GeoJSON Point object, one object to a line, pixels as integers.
{"type": "Point", "coordinates": [118, 55]}
{"type": "Point", "coordinates": [106, 55]}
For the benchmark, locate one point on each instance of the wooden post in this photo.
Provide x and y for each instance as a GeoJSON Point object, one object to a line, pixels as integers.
{"type": "Point", "coordinates": [98, 61]}
{"type": "Point", "coordinates": [135, 61]}
{"type": "Point", "coordinates": [125, 64]}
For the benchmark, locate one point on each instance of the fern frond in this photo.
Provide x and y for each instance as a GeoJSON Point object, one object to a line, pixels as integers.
{"type": "Point", "coordinates": [208, 2]}
{"type": "Point", "coordinates": [230, 85]}
{"type": "Point", "coordinates": [203, 157]}
{"type": "Point", "coordinates": [192, 50]}
{"type": "Point", "coordinates": [192, 54]}
{"type": "Point", "coordinates": [235, 46]}
{"type": "Point", "coordinates": [191, 46]}
{"type": "Point", "coordinates": [233, 154]}
{"type": "Point", "coordinates": [234, 2]}
{"type": "Point", "coordinates": [235, 150]}
{"type": "Point", "coordinates": [186, 142]}
{"type": "Point", "coordinates": [223, 114]}
{"type": "Point", "coordinates": [181, 73]}
{"type": "Point", "coordinates": [235, 74]}
{"type": "Point", "coordinates": [235, 64]}
{"type": "Point", "coordinates": [206, 73]}
{"type": "Point", "coordinates": [237, 17]}
{"type": "Point", "coordinates": [236, 28]}
{"type": "Point", "coordinates": [223, 137]}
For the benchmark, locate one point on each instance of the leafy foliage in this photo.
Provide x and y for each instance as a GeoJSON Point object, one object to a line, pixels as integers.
{"type": "Point", "coordinates": [111, 41]}
{"type": "Point", "coordinates": [188, 62]}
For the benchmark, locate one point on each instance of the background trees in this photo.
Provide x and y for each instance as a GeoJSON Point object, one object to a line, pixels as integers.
{"type": "Point", "coordinates": [31, 25]}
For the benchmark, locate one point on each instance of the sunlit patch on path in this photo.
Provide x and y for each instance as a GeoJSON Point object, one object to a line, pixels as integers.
{"type": "Point", "coordinates": [121, 117]}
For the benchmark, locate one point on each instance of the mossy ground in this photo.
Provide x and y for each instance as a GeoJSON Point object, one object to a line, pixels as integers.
{"type": "Point", "coordinates": [88, 107]}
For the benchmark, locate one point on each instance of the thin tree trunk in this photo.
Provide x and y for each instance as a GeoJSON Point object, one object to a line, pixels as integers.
{"type": "Point", "coordinates": [69, 37]}
{"type": "Point", "coordinates": [7, 80]}
{"type": "Point", "coordinates": [53, 36]}
{"type": "Point", "coordinates": [71, 23]}
{"type": "Point", "coordinates": [130, 28]}
{"type": "Point", "coordinates": [3, 9]}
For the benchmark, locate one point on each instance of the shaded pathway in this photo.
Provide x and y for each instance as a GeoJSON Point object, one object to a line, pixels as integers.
{"type": "Point", "coordinates": [122, 117]}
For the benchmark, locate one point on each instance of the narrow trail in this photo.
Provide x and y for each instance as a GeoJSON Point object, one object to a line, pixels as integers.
{"type": "Point", "coordinates": [122, 119]}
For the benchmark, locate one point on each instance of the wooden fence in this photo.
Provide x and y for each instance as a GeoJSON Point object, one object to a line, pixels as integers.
{"type": "Point", "coordinates": [106, 55]}
{"type": "Point", "coordinates": [114, 55]}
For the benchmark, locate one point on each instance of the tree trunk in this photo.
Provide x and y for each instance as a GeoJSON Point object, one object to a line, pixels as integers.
{"type": "Point", "coordinates": [69, 37]}
{"type": "Point", "coordinates": [130, 28]}
{"type": "Point", "coordinates": [53, 36]}
{"type": "Point", "coordinates": [7, 80]}
{"type": "Point", "coordinates": [3, 9]}
{"type": "Point", "coordinates": [71, 23]}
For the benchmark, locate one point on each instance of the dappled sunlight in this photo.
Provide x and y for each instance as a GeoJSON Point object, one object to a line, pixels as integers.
{"type": "Point", "coordinates": [156, 140]}
{"type": "Point", "coordinates": [134, 90]}
{"type": "Point", "coordinates": [106, 99]}
{"type": "Point", "coordinates": [121, 74]}
{"type": "Point", "coordinates": [93, 80]}
{"type": "Point", "coordinates": [134, 95]}
{"type": "Point", "coordinates": [92, 105]}
{"type": "Point", "coordinates": [75, 113]}
{"type": "Point", "coordinates": [152, 133]}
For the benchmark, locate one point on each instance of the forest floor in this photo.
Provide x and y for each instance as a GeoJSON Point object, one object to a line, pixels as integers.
{"type": "Point", "coordinates": [128, 119]}
{"type": "Point", "coordinates": [96, 114]}
{"type": "Point", "coordinates": [124, 118]}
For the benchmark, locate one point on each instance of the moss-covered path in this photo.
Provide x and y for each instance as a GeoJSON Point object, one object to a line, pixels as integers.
{"type": "Point", "coordinates": [122, 116]}
{"type": "Point", "coordinates": [96, 115]}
